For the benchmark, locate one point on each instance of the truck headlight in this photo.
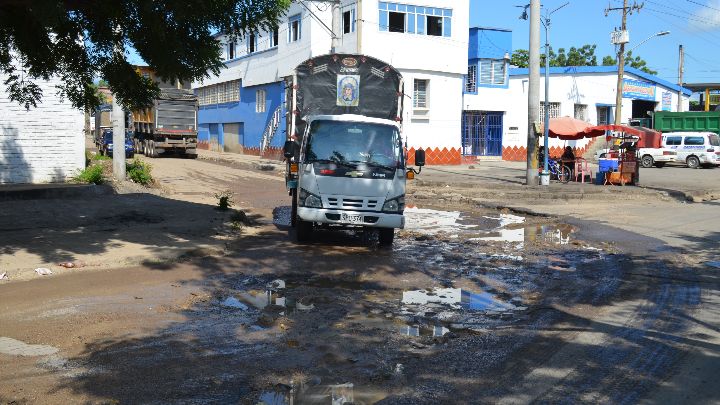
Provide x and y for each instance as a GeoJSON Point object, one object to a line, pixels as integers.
{"type": "Point", "coordinates": [394, 205]}
{"type": "Point", "coordinates": [309, 200]}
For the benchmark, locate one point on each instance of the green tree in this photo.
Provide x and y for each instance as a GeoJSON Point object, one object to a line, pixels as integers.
{"type": "Point", "coordinates": [635, 62]}
{"type": "Point", "coordinates": [80, 40]}
{"type": "Point", "coordinates": [583, 56]}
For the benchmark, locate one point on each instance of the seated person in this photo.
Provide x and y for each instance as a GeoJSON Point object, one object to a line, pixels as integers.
{"type": "Point", "coordinates": [568, 155]}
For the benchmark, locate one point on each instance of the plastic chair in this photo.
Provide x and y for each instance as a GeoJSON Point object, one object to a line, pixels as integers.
{"type": "Point", "coordinates": [581, 169]}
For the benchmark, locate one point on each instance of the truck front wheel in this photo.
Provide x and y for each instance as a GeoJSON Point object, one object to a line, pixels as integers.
{"type": "Point", "coordinates": [303, 230]}
{"type": "Point", "coordinates": [387, 236]}
{"type": "Point", "coordinates": [293, 208]}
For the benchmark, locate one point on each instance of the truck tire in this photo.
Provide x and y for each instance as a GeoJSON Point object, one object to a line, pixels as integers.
{"type": "Point", "coordinates": [303, 230]}
{"type": "Point", "coordinates": [387, 236]}
{"type": "Point", "coordinates": [293, 208]}
{"type": "Point", "coordinates": [647, 161]}
{"type": "Point", "coordinates": [693, 162]}
{"type": "Point", "coordinates": [153, 154]}
{"type": "Point", "coordinates": [145, 148]}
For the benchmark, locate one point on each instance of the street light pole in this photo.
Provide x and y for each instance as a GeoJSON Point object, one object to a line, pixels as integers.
{"type": "Point", "coordinates": [546, 126]}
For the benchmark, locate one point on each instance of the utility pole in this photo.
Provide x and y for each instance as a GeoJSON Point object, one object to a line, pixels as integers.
{"type": "Point", "coordinates": [533, 94]}
{"type": "Point", "coordinates": [681, 58]}
{"type": "Point", "coordinates": [118, 121]}
{"type": "Point", "coordinates": [624, 38]}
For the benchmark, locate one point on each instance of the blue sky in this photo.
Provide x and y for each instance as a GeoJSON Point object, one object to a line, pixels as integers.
{"type": "Point", "coordinates": [693, 23]}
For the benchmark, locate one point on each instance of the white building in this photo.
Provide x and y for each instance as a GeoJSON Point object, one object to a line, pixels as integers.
{"type": "Point", "coordinates": [426, 40]}
{"type": "Point", "coordinates": [43, 144]}
{"type": "Point", "coordinates": [587, 93]}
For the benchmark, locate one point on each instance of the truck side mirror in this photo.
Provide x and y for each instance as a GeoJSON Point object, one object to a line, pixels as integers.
{"type": "Point", "coordinates": [289, 149]}
{"type": "Point", "coordinates": [420, 157]}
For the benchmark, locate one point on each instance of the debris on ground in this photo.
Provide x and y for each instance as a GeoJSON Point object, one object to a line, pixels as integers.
{"type": "Point", "coordinates": [4, 276]}
{"type": "Point", "coordinates": [71, 265]}
{"type": "Point", "coordinates": [42, 271]}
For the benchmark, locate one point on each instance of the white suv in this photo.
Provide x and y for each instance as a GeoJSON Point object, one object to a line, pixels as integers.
{"type": "Point", "coordinates": [694, 148]}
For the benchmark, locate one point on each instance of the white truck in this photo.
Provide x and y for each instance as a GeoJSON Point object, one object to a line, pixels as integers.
{"type": "Point", "coordinates": [346, 164]}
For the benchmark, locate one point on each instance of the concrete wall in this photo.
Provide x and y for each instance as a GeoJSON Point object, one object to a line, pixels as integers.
{"type": "Point", "coordinates": [44, 144]}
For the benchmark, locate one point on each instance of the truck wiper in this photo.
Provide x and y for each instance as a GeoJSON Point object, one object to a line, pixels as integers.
{"type": "Point", "coordinates": [375, 164]}
{"type": "Point", "coordinates": [337, 162]}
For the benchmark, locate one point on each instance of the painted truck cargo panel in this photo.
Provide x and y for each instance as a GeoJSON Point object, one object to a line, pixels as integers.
{"type": "Point", "coordinates": [666, 121]}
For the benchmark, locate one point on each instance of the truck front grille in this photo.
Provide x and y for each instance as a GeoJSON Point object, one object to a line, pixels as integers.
{"type": "Point", "coordinates": [353, 203]}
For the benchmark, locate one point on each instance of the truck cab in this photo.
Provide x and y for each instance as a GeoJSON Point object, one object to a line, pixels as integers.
{"type": "Point", "coordinates": [351, 172]}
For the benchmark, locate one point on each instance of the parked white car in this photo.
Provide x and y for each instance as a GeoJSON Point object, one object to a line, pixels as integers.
{"type": "Point", "coordinates": [694, 148]}
{"type": "Point", "coordinates": [648, 157]}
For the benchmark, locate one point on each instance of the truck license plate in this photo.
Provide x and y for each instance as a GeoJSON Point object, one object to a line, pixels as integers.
{"type": "Point", "coordinates": [353, 219]}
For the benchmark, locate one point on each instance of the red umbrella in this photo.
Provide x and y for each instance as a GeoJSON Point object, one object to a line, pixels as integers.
{"type": "Point", "coordinates": [571, 129]}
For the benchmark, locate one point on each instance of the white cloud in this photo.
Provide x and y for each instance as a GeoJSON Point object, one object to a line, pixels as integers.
{"type": "Point", "coordinates": [708, 18]}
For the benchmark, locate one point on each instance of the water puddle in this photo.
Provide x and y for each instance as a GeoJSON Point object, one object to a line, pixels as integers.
{"type": "Point", "coordinates": [457, 298]}
{"type": "Point", "coordinates": [507, 228]}
{"type": "Point", "coordinates": [338, 394]}
{"type": "Point", "coordinates": [423, 330]}
{"type": "Point", "coordinates": [272, 295]}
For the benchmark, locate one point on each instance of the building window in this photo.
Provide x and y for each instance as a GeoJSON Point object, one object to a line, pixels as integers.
{"type": "Point", "coordinates": [420, 99]}
{"type": "Point", "coordinates": [225, 92]}
{"type": "Point", "coordinates": [349, 21]}
{"type": "Point", "coordinates": [252, 43]}
{"type": "Point", "coordinates": [581, 112]}
{"type": "Point", "coordinates": [434, 26]}
{"type": "Point", "coordinates": [396, 17]}
{"type": "Point", "coordinates": [471, 79]}
{"type": "Point", "coordinates": [554, 110]}
{"type": "Point", "coordinates": [231, 50]}
{"type": "Point", "coordinates": [275, 37]}
{"type": "Point", "coordinates": [294, 28]}
{"type": "Point", "coordinates": [492, 72]}
{"type": "Point", "coordinates": [260, 101]}
{"type": "Point", "coordinates": [397, 22]}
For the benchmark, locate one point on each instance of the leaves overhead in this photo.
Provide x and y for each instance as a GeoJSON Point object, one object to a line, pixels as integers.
{"type": "Point", "coordinates": [79, 40]}
{"type": "Point", "coordinates": [583, 56]}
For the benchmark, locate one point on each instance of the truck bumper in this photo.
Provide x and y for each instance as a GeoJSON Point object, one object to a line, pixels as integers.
{"type": "Point", "coordinates": [335, 217]}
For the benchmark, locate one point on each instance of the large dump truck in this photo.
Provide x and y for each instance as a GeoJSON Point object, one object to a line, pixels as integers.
{"type": "Point", "coordinates": [346, 165]}
{"type": "Point", "coordinates": [688, 121]}
{"type": "Point", "coordinates": [170, 125]}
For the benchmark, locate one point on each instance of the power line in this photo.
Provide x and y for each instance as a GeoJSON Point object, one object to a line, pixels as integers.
{"type": "Point", "coordinates": [703, 5]}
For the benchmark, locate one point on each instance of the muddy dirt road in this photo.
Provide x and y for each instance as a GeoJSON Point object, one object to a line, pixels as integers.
{"type": "Point", "coordinates": [471, 305]}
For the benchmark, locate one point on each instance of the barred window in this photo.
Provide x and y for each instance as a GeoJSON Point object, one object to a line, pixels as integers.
{"type": "Point", "coordinates": [554, 110]}
{"type": "Point", "coordinates": [471, 79]}
{"type": "Point", "coordinates": [581, 112]}
{"type": "Point", "coordinates": [420, 99]}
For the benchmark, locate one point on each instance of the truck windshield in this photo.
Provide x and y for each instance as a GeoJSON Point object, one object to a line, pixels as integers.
{"type": "Point", "coordinates": [354, 143]}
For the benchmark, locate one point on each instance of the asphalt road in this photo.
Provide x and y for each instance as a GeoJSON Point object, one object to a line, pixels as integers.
{"type": "Point", "coordinates": [596, 301]}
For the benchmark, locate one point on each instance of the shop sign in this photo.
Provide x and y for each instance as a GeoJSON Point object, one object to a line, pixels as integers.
{"type": "Point", "coordinates": [638, 90]}
{"type": "Point", "coordinates": [666, 100]}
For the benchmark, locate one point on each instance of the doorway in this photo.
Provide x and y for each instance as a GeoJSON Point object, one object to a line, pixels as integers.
{"type": "Point", "coordinates": [482, 133]}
